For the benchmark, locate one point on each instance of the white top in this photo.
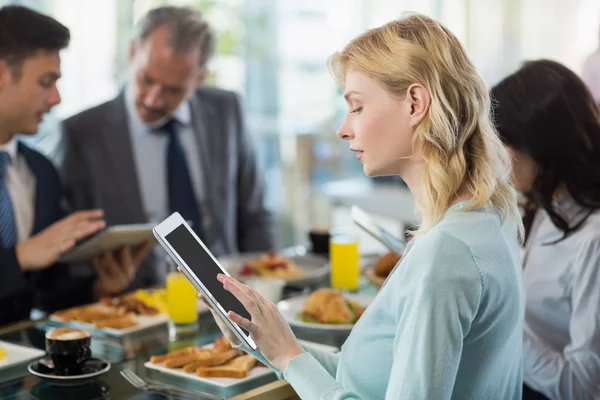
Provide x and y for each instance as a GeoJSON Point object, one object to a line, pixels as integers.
{"type": "Point", "coordinates": [562, 317]}
{"type": "Point", "coordinates": [591, 74]}
{"type": "Point", "coordinates": [150, 158]}
{"type": "Point", "coordinates": [20, 182]}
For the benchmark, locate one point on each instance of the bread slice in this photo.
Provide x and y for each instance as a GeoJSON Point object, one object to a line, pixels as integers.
{"type": "Point", "coordinates": [220, 358]}
{"type": "Point", "coordinates": [221, 344]}
{"type": "Point", "coordinates": [126, 321]}
{"type": "Point", "coordinates": [163, 357]}
{"type": "Point", "coordinates": [236, 368]}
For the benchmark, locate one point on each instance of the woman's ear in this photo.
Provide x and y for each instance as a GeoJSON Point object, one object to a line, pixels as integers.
{"type": "Point", "coordinates": [419, 100]}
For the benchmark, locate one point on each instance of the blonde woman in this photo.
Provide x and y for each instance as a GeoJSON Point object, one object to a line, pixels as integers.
{"type": "Point", "coordinates": [448, 323]}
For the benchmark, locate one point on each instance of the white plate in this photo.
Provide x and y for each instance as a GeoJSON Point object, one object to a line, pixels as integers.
{"type": "Point", "coordinates": [144, 322]}
{"type": "Point", "coordinates": [315, 267]}
{"type": "Point", "coordinates": [227, 383]}
{"type": "Point", "coordinates": [17, 354]}
{"type": "Point", "coordinates": [291, 307]}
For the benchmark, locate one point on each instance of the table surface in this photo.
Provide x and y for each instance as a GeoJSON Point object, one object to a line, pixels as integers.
{"type": "Point", "coordinates": [131, 353]}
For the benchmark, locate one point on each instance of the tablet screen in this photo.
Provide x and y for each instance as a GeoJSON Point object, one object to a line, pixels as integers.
{"type": "Point", "coordinates": [205, 268]}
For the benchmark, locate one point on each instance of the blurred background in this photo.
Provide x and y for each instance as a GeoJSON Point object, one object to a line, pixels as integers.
{"type": "Point", "coordinates": [274, 53]}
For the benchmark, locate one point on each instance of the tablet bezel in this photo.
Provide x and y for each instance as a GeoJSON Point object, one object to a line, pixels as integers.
{"type": "Point", "coordinates": [163, 229]}
{"type": "Point", "coordinates": [368, 224]}
{"type": "Point", "coordinates": [142, 231]}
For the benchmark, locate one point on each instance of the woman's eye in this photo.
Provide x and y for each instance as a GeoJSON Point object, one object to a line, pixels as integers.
{"type": "Point", "coordinates": [356, 110]}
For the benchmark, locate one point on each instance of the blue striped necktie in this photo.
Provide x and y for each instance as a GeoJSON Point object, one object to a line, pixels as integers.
{"type": "Point", "coordinates": [8, 228]}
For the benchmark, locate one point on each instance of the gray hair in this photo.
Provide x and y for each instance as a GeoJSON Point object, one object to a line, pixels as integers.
{"type": "Point", "coordinates": [187, 30]}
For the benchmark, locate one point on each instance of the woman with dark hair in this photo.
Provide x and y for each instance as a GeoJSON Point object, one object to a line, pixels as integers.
{"type": "Point", "coordinates": [551, 126]}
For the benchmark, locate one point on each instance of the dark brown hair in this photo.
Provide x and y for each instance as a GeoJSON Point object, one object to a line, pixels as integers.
{"type": "Point", "coordinates": [23, 32]}
{"type": "Point", "coordinates": [545, 111]}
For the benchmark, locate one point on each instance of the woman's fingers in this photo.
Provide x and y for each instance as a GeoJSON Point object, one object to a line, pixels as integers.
{"type": "Point", "coordinates": [201, 297]}
{"type": "Point", "coordinates": [241, 294]}
{"type": "Point", "coordinates": [242, 322]}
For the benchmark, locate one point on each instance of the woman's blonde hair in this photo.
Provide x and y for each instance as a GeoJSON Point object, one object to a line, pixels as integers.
{"type": "Point", "coordinates": [460, 146]}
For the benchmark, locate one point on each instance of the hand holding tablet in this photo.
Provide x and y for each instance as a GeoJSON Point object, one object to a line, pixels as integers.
{"type": "Point", "coordinates": [110, 239]}
{"type": "Point", "coordinates": [241, 311]}
{"type": "Point", "coordinates": [201, 268]}
{"type": "Point", "coordinates": [44, 248]}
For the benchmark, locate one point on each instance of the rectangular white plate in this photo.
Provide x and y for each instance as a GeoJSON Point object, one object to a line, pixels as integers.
{"type": "Point", "coordinates": [228, 383]}
{"type": "Point", "coordinates": [17, 354]}
{"type": "Point", "coordinates": [144, 322]}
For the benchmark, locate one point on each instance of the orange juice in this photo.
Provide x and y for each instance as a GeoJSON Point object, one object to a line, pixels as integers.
{"type": "Point", "coordinates": [181, 299]}
{"type": "Point", "coordinates": [344, 257]}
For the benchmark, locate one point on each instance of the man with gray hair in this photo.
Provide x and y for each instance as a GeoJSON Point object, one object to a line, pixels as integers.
{"type": "Point", "coordinates": [168, 143]}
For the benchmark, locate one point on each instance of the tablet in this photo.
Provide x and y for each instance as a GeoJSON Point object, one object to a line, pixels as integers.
{"type": "Point", "coordinates": [368, 224]}
{"type": "Point", "coordinates": [201, 268]}
{"type": "Point", "coordinates": [110, 238]}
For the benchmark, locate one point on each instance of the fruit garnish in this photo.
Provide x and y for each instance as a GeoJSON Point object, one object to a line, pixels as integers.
{"type": "Point", "coordinates": [246, 270]}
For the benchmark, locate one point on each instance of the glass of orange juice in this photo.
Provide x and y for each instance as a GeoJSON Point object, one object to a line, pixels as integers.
{"type": "Point", "coordinates": [344, 258]}
{"type": "Point", "coordinates": [182, 301]}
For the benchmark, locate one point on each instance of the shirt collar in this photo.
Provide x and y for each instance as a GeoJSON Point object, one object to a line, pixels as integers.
{"type": "Point", "coordinates": [10, 148]}
{"type": "Point", "coordinates": [182, 113]}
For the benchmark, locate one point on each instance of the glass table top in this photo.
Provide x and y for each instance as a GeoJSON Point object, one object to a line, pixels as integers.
{"type": "Point", "coordinates": [131, 352]}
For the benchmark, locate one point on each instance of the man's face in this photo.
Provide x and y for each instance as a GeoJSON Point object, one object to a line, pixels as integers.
{"type": "Point", "coordinates": [161, 78]}
{"type": "Point", "coordinates": [26, 96]}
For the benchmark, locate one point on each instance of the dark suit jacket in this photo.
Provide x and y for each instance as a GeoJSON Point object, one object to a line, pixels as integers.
{"type": "Point", "coordinates": [98, 168]}
{"type": "Point", "coordinates": [49, 289]}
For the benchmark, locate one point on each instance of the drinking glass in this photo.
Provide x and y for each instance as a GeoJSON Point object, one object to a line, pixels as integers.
{"type": "Point", "coordinates": [344, 258]}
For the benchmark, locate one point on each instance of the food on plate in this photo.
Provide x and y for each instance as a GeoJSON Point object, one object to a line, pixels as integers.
{"type": "Point", "coordinates": [328, 306]}
{"type": "Point", "coordinates": [125, 321]}
{"type": "Point", "coordinates": [272, 265]}
{"type": "Point", "coordinates": [156, 298]}
{"type": "Point", "coordinates": [99, 315]}
{"type": "Point", "coordinates": [385, 264]}
{"type": "Point", "coordinates": [3, 353]}
{"type": "Point", "coordinates": [236, 368]}
{"type": "Point", "coordinates": [215, 358]}
{"type": "Point", "coordinates": [90, 313]}
{"type": "Point", "coordinates": [112, 312]}
{"type": "Point", "coordinates": [220, 360]}
{"type": "Point", "coordinates": [131, 303]}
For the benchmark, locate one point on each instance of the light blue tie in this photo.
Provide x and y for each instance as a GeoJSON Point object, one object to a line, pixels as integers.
{"type": "Point", "coordinates": [8, 228]}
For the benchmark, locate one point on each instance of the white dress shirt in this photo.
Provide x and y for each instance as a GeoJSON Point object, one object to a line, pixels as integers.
{"type": "Point", "coordinates": [150, 156]}
{"type": "Point", "coordinates": [150, 160]}
{"type": "Point", "coordinates": [591, 74]}
{"type": "Point", "coordinates": [20, 182]}
{"type": "Point", "coordinates": [562, 317]}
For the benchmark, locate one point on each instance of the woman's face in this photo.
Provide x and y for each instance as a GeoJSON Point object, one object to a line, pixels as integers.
{"type": "Point", "coordinates": [524, 170]}
{"type": "Point", "coordinates": [379, 126]}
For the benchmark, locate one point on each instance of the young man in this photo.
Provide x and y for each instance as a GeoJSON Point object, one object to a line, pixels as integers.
{"type": "Point", "coordinates": [34, 228]}
{"type": "Point", "coordinates": [167, 143]}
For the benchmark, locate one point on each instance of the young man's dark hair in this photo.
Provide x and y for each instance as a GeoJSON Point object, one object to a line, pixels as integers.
{"type": "Point", "coordinates": [23, 32]}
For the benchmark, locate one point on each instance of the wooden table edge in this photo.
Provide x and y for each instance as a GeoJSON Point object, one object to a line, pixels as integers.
{"type": "Point", "coordinates": [278, 390]}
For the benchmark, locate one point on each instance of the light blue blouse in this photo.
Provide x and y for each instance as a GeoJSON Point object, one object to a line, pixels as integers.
{"type": "Point", "coordinates": [448, 323]}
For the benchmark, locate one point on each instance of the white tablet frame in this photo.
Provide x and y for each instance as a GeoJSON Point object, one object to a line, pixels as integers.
{"type": "Point", "coordinates": [163, 229]}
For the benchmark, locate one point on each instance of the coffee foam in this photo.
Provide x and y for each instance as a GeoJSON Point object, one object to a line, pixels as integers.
{"type": "Point", "coordinates": [67, 334]}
